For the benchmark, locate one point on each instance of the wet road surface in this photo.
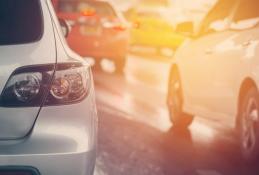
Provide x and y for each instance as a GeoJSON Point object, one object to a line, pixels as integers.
{"type": "Point", "coordinates": [136, 137]}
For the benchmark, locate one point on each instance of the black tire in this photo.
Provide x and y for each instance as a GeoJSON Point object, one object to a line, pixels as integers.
{"type": "Point", "coordinates": [248, 128]}
{"type": "Point", "coordinates": [178, 118]}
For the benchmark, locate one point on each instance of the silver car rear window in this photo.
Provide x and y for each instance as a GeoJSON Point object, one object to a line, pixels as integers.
{"type": "Point", "coordinates": [20, 21]}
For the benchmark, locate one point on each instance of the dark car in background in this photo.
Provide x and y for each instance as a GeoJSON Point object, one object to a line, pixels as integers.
{"type": "Point", "coordinates": [98, 30]}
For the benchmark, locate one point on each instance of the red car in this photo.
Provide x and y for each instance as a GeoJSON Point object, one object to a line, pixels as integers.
{"type": "Point", "coordinates": [98, 30]}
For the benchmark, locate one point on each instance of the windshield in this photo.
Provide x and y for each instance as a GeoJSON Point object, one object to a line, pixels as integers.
{"type": "Point", "coordinates": [20, 21]}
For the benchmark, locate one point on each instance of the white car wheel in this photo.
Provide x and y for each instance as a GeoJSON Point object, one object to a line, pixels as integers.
{"type": "Point", "coordinates": [249, 126]}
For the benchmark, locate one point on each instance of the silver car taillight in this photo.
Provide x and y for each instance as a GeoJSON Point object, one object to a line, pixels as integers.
{"type": "Point", "coordinates": [38, 85]}
{"type": "Point", "coordinates": [69, 85]}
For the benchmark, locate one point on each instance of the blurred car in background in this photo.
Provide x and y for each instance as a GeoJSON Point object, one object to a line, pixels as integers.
{"type": "Point", "coordinates": [152, 29]}
{"type": "Point", "coordinates": [98, 30]}
{"type": "Point", "coordinates": [215, 74]}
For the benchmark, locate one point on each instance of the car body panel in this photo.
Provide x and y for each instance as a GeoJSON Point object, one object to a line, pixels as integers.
{"type": "Point", "coordinates": [155, 33]}
{"type": "Point", "coordinates": [153, 30]}
{"type": "Point", "coordinates": [213, 68]}
{"type": "Point", "coordinates": [90, 38]}
{"type": "Point", "coordinates": [17, 122]}
{"type": "Point", "coordinates": [55, 147]}
{"type": "Point", "coordinates": [63, 139]}
{"type": "Point", "coordinates": [206, 70]}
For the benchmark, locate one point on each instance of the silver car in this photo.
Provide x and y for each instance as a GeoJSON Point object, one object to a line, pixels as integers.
{"type": "Point", "coordinates": [48, 117]}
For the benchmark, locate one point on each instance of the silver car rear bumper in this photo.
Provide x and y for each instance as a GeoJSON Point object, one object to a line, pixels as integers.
{"type": "Point", "coordinates": [62, 142]}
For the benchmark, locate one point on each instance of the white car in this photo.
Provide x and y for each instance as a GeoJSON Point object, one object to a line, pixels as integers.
{"type": "Point", "coordinates": [216, 73]}
{"type": "Point", "coordinates": [48, 117]}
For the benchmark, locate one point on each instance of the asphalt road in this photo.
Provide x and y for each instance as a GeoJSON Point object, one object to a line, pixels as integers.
{"type": "Point", "coordinates": [136, 137]}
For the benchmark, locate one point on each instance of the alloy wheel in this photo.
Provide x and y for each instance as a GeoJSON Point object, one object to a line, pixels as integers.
{"type": "Point", "coordinates": [249, 128]}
